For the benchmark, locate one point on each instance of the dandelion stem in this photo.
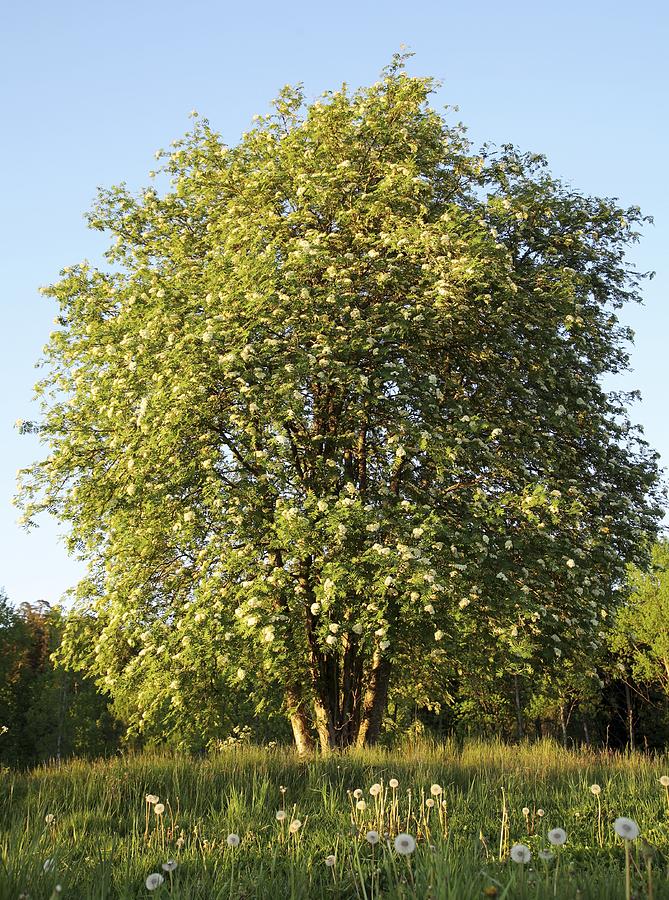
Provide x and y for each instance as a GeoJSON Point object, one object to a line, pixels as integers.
{"type": "Point", "coordinates": [503, 829]}
{"type": "Point", "coordinates": [557, 869]}
{"type": "Point", "coordinates": [232, 876]}
{"type": "Point", "coordinates": [600, 830]}
{"type": "Point", "coordinates": [522, 879]}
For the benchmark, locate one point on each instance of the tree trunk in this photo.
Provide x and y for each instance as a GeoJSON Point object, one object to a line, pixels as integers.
{"type": "Point", "coordinates": [374, 703]}
{"type": "Point", "coordinates": [630, 716]}
{"type": "Point", "coordinates": [297, 713]}
{"type": "Point", "coordinates": [586, 732]}
{"type": "Point", "coordinates": [337, 692]}
{"type": "Point", "coordinates": [324, 726]}
{"type": "Point", "coordinates": [61, 717]}
{"type": "Point", "coordinates": [341, 715]}
{"type": "Point", "coordinates": [519, 709]}
{"type": "Point", "coordinates": [563, 726]}
{"type": "Point", "coordinates": [299, 722]}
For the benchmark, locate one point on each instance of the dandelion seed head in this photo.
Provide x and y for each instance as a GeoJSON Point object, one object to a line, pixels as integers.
{"type": "Point", "coordinates": [357, 793]}
{"type": "Point", "coordinates": [372, 837]}
{"type": "Point", "coordinates": [152, 798]}
{"type": "Point", "coordinates": [557, 836]}
{"type": "Point", "coordinates": [394, 783]}
{"type": "Point", "coordinates": [520, 853]}
{"type": "Point", "coordinates": [232, 840]}
{"type": "Point", "coordinates": [294, 826]}
{"type": "Point", "coordinates": [361, 805]}
{"type": "Point", "coordinates": [540, 813]}
{"type": "Point", "coordinates": [595, 789]}
{"type": "Point", "coordinates": [626, 828]}
{"type": "Point", "coordinates": [405, 844]}
{"type": "Point", "coordinates": [526, 811]}
{"type": "Point", "coordinates": [169, 866]}
{"type": "Point", "coordinates": [664, 780]}
{"type": "Point", "coordinates": [159, 809]}
{"type": "Point", "coordinates": [429, 802]}
{"type": "Point", "coordinates": [154, 880]}
{"type": "Point", "coordinates": [281, 815]}
{"type": "Point", "coordinates": [436, 790]}
{"type": "Point", "coordinates": [330, 860]}
{"type": "Point", "coordinates": [375, 790]}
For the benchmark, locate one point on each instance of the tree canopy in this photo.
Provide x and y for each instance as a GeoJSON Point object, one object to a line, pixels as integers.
{"type": "Point", "coordinates": [332, 420]}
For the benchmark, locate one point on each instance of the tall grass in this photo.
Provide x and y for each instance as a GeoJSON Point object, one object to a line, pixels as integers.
{"type": "Point", "coordinates": [101, 846]}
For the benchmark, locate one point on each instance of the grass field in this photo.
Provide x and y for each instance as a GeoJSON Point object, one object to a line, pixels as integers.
{"type": "Point", "coordinates": [105, 839]}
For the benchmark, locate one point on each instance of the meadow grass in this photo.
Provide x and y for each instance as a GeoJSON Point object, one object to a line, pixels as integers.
{"type": "Point", "coordinates": [105, 838]}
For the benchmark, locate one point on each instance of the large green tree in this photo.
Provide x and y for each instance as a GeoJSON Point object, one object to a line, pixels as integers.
{"type": "Point", "coordinates": [334, 415]}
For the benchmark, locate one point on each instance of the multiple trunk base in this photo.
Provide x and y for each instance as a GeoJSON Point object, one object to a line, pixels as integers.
{"type": "Point", "coordinates": [341, 713]}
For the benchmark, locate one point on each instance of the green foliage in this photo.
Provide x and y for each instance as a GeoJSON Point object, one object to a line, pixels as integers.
{"type": "Point", "coordinates": [334, 414]}
{"type": "Point", "coordinates": [14, 643]}
{"type": "Point", "coordinates": [48, 712]}
{"type": "Point", "coordinates": [641, 632]}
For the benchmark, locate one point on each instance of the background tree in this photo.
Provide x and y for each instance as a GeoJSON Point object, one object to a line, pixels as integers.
{"type": "Point", "coordinates": [337, 404]}
{"type": "Point", "coordinates": [48, 712]}
{"type": "Point", "coordinates": [637, 671]}
{"type": "Point", "coordinates": [640, 635]}
{"type": "Point", "coordinates": [13, 641]}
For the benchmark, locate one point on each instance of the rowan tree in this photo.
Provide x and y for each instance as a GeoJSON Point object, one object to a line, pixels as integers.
{"type": "Point", "coordinates": [334, 413]}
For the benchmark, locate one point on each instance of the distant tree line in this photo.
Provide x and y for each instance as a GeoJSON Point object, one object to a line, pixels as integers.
{"type": "Point", "coordinates": [46, 712]}
{"type": "Point", "coordinates": [618, 699]}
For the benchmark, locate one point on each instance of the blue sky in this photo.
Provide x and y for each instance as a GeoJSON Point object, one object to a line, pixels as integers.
{"type": "Point", "coordinates": [90, 91]}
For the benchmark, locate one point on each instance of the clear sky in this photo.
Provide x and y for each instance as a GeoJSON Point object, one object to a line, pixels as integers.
{"type": "Point", "coordinates": [89, 91]}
